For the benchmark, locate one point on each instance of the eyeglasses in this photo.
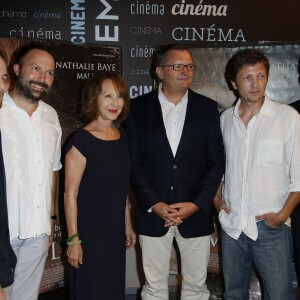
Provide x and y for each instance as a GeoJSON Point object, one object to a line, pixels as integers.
{"type": "Point", "coordinates": [180, 67]}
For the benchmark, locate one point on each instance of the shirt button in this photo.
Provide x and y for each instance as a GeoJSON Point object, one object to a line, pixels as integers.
{"type": "Point", "coordinates": [174, 167]}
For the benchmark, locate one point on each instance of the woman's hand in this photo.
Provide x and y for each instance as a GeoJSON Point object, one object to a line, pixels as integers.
{"type": "Point", "coordinates": [75, 255]}
{"type": "Point", "coordinates": [129, 232]}
{"type": "Point", "coordinates": [130, 237]}
{"type": "Point", "coordinates": [2, 295]}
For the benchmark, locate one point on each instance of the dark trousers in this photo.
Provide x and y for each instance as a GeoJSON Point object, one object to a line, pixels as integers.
{"type": "Point", "coordinates": [296, 240]}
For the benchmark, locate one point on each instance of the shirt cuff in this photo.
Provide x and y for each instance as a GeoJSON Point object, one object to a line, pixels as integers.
{"type": "Point", "coordinates": [150, 210]}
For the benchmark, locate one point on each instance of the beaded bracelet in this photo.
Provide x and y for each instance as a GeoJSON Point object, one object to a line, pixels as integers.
{"type": "Point", "coordinates": [74, 243]}
{"type": "Point", "coordinates": [72, 237]}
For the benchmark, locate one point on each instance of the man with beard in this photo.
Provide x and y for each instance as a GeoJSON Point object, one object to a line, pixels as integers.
{"type": "Point", "coordinates": [31, 137]}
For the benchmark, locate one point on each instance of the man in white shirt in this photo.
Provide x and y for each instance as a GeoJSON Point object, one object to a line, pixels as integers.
{"type": "Point", "coordinates": [295, 217]}
{"type": "Point", "coordinates": [31, 137]}
{"type": "Point", "coordinates": [261, 183]}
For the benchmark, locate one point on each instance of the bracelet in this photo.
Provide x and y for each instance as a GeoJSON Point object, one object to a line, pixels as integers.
{"type": "Point", "coordinates": [72, 237]}
{"type": "Point", "coordinates": [54, 217]}
{"type": "Point", "coordinates": [74, 243]}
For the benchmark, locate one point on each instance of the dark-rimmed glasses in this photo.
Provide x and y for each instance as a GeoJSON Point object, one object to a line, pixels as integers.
{"type": "Point", "coordinates": [180, 67]}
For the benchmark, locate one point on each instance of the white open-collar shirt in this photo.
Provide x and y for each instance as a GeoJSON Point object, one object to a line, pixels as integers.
{"type": "Point", "coordinates": [262, 164]}
{"type": "Point", "coordinates": [173, 117]}
{"type": "Point", "coordinates": [31, 151]}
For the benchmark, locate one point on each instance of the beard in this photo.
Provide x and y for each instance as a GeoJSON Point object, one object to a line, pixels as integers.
{"type": "Point", "coordinates": [25, 90]}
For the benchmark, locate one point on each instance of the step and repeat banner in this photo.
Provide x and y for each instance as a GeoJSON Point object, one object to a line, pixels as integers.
{"type": "Point", "coordinates": [283, 84]}
{"type": "Point", "coordinates": [139, 25]}
{"type": "Point", "coordinates": [120, 35]}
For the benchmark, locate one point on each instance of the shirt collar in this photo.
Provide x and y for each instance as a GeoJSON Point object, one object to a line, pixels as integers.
{"type": "Point", "coordinates": [8, 101]}
{"type": "Point", "coordinates": [164, 100]}
{"type": "Point", "coordinates": [266, 109]}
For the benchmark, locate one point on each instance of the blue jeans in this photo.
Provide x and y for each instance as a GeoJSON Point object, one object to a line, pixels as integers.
{"type": "Point", "coordinates": [272, 255]}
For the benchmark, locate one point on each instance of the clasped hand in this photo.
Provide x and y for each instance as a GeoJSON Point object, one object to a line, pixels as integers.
{"type": "Point", "coordinates": [174, 214]}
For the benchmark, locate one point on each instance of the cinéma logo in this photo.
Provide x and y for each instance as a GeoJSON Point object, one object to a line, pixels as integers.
{"type": "Point", "coordinates": [199, 9]}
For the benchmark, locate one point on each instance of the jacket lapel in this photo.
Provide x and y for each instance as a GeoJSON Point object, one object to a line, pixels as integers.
{"type": "Point", "coordinates": [158, 117]}
{"type": "Point", "coordinates": [187, 128]}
